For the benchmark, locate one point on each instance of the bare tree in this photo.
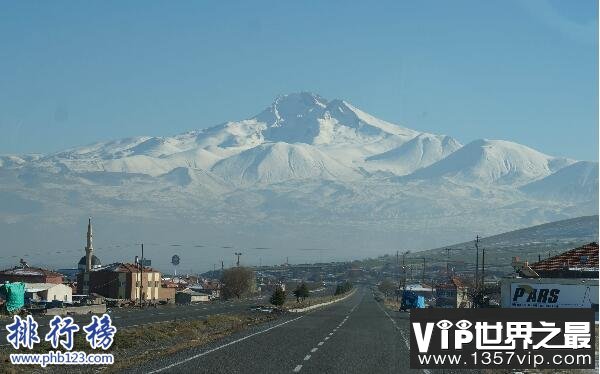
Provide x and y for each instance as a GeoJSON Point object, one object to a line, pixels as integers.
{"type": "Point", "coordinates": [237, 282]}
{"type": "Point", "coordinates": [386, 287]}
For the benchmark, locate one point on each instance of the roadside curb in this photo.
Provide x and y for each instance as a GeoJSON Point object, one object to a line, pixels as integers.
{"type": "Point", "coordinates": [300, 310]}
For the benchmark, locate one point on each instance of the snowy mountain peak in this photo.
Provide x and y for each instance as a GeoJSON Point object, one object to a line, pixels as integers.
{"type": "Point", "coordinates": [287, 107]}
{"type": "Point", "coordinates": [494, 161]}
{"type": "Point", "coordinates": [309, 118]}
{"type": "Point", "coordinates": [419, 152]}
{"type": "Point", "coordinates": [307, 166]}
{"type": "Point", "coordinates": [305, 136]}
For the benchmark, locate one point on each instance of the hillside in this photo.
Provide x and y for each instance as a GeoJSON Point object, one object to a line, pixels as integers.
{"type": "Point", "coordinates": [529, 243]}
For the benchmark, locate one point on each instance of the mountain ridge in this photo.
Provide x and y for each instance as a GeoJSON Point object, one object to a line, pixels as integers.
{"type": "Point", "coordinates": [335, 128]}
{"type": "Point", "coordinates": [304, 169]}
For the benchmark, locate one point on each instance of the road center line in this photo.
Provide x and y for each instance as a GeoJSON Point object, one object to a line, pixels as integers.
{"type": "Point", "coordinates": [307, 357]}
{"type": "Point", "coordinates": [297, 368]}
{"type": "Point", "coordinates": [226, 345]}
{"type": "Point", "coordinates": [320, 343]}
{"type": "Point", "coordinates": [311, 351]}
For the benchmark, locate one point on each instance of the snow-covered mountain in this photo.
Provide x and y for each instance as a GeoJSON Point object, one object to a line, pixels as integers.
{"type": "Point", "coordinates": [313, 168]}
{"type": "Point", "coordinates": [494, 162]}
{"type": "Point", "coordinates": [578, 181]}
{"type": "Point", "coordinates": [419, 152]}
{"type": "Point", "coordinates": [279, 162]}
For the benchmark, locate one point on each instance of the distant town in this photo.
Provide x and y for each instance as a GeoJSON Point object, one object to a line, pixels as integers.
{"type": "Point", "coordinates": [401, 281]}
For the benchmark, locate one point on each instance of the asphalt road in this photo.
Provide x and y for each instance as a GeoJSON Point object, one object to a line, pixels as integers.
{"type": "Point", "coordinates": [352, 336]}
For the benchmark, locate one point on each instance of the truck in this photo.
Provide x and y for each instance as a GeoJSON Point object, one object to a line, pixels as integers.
{"type": "Point", "coordinates": [410, 300]}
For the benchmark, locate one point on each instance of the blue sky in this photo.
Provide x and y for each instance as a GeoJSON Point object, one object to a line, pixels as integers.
{"type": "Point", "coordinates": [72, 73]}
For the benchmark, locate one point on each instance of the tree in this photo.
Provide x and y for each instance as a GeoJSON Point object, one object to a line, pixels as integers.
{"type": "Point", "coordinates": [386, 287]}
{"type": "Point", "coordinates": [301, 292]}
{"type": "Point", "coordinates": [237, 282]}
{"type": "Point", "coordinates": [278, 297]}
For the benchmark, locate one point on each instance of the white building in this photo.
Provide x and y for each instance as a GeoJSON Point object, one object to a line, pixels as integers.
{"type": "Point", "coordinates": [48, 292]}
{"type": "Point", "coordinates": [568, 280]}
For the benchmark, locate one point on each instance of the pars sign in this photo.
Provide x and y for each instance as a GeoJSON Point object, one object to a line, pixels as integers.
{"type": "Point", "coordinates": [532, 295]}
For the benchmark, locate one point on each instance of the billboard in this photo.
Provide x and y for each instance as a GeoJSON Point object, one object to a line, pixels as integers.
{"type": "Point", "coordinates": [524, 294]}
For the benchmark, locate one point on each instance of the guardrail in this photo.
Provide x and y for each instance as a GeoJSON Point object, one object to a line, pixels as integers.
{"type": "Point", "coordinates": [300, 310]}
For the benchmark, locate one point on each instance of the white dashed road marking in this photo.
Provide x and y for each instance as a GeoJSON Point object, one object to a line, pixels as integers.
{"type": "Point", "coordinates": [297, 368]}
{"type": "Point", "coordinates": [227, 345]}
{"type": "Point", "coordinates": [320, 343]}
{"type": "Point", "coordinates": [311, 351]}
{"type": "Point", "coordinates": [307, 357]}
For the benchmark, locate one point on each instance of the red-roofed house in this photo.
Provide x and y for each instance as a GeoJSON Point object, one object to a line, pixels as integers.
{"type": "Point", "coordinates": [580, 262]}
{"type": "Point", "coordinates": [452, 294]}
{"type": "Point", "coordinates": [568, 280]}
{"type": "Point", "coordinates": [27, 274]}
{"type": "Point", "coordinates": [121, 281]}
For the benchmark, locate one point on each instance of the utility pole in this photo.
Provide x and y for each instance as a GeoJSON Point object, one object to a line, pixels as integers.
{"type": "Point", "coordinates": [141, 284]}
{"type": "Point", "coordinates": [483, 268]}
{"type": "Point", "coordinates": [397, 276]}
{"type": "Point", "coordinates": [222, 266]}
{"type": "Point", "coordinates": [423, 274]}
{"type": "Point", "coordinates": [448, 262]}
{"type": "Point", "coordinates": [404, 268]}
{"type": "Point", "coordinates": [238, 254]}
{"type": "Point", "coordinates": [477, 262]}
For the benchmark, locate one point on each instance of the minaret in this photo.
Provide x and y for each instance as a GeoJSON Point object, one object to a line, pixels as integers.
{"type": "Point", "coordinates": [89, 249]}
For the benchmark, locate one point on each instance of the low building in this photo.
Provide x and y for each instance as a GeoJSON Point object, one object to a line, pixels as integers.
{"type": "Point", "coordinates": [568, 280]}
{"type": "Point", "coordinates": [421, 290]}
{"type": "Point", "coordinates": [28, 274]}
{"type": "Point", "coordinates": [48, 292]}
{"type": "Point", "coordinates": [452, 294]}
{"type": "Point", "coordinates": [121, 281]}
{"type": "Point", "coordinates": [167, 294]}
{"type": "Point", "coordinates": [188, 296]}
{"type": "Point", "coordinates": [214, 286]}
{"type": "Point", "coordinates": [210, 288]}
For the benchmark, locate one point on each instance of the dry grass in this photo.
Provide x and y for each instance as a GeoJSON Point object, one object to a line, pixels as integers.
{"type": "Point", "coordinates": [133, 346]}
{"type": "Point", "coordinates": [391, 303]}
